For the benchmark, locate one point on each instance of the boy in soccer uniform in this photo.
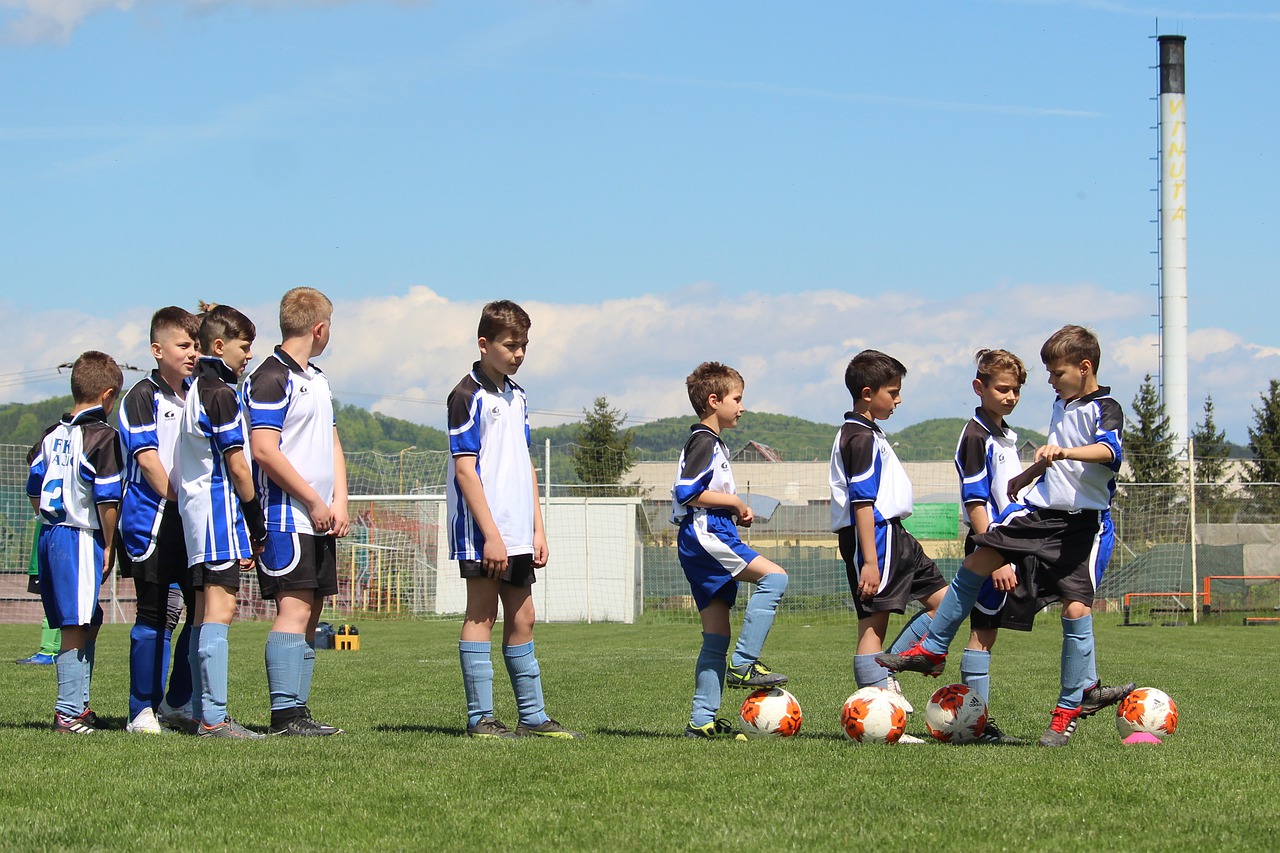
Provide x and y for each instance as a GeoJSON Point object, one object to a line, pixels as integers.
{"type": "Point", "coordinates": [301, 478]}
{"type": "Point", "coordinates": [495, 525]}
{"type": "Point", "coordinates": [870, 495]}
{"type": "Point", "coordinates": [704, 502]}
{"type": "Point", "coordinates": [1066, 523]}
{"type": "Point", "coordinates": [155, 552]}
{"type": "Point", "coordinates": [221, 516]}
{"type": "Point", "coordinates": [74, 483]}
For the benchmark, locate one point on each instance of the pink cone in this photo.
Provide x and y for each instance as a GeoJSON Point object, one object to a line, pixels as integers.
{"type": "Point", "coordinates": [1142, 737]}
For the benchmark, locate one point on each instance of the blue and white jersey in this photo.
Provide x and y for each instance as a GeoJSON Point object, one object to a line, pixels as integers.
{"type": "Point", "coordinates": [703, 467]}
{"type": "Point", "coordinates": [74, 467]}
{"type": "Point", "coordinates": [1068, 485]}
{"type": "Point", "coordinates": [489, 428]}
{"type": "Point", "coordinates": [150, 419]}
{"type": "Point", "coordinates": [296, 402]}
{"type": "Point", "coordinates": [865, 469]}
{"type": "Point", "coordinates": [212, 424]}
{"type": "Point", "coordinates": [987, 459]}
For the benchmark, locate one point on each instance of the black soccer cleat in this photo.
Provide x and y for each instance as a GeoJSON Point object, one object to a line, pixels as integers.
{"type": "Point", "coordinates": [914, 659]}
{"type": "Point", "coordinates": [1098, 697]}
{"type": "Point", "coordinates": [753, 676]}
{"type": "Point", "coordinates": [993, 734]}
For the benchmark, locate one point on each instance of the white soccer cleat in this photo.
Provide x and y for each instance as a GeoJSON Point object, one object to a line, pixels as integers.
{"type": "Point", "coordinates": [178, 719]}
{"type": "Point", "coordinates": [145, 723]}
{"type": "Point", "coordinates": [911, 739]}
{"type": "Point", "coordinates": [896, 689]}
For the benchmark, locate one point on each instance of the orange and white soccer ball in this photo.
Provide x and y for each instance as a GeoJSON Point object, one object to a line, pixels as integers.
{"type": "Point", "coordinates": [873, 715]}
{"type": "Point", "coordinates": [770, 713]}
{"type": "Point", "coordinates": [1147, 710]}
{"type": "Point", "coordinates": [956, 714]}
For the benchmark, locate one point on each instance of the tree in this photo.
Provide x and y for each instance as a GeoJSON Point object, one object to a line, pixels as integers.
{"type": "Point", "coordinates": [602, 452]}
{"type": "Point", "coordinates": [1264, 441]}
{"type": "Point", "coordinates": [1149, 449]}
{"type": "Point", "coordinates": [1212, 477]}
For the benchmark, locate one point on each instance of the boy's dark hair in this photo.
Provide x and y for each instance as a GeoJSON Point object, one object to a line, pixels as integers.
{"type": "Point", "coordinates": [222, 322]}
{"type": "Point", "coordinates": [711, 377]}
{"type": "Point", "coordinates": [301, 308]}
{"type": "Point", "coordinates": [1073, 343]}
{"type": "Point", "coordinates": [174, 319]}
{"type": "Point", "coordinates": [871, 369]}
{"type": "Point", "coordinates": [93, 373]}
{"type": "Point", "coordinates": [502, 316]}
{"type": "Point", "coordinates": [993, 361]}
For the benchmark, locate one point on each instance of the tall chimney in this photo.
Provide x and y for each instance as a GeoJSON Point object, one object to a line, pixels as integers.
{"type": "Point", "coordinates": [1173, 234]}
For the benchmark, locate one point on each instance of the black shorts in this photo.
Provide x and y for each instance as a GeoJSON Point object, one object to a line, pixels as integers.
{"type": "Point", "coordinates": [1017, 608]}
{"type": "Point", "coordinates": [1073, 548]}
{"type": "Point", "coordinates": [225, 574]}
{"type": "Point", "coordinates": [166, 562]}
{"type": "Point", "coordinates": [298, 561]}
{"type": "Point", "coordinates": [906, 572]}
{"type": "Point", "coordinates": [519, 570]}
{"type": "Point", "coordinates": [159, 605]}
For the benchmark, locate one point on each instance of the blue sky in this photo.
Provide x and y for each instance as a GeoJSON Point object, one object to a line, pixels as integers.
{"type": "Point", "coordinates": [774, 185]}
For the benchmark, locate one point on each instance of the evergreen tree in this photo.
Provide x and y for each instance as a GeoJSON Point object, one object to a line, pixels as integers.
{"type": "Point", "coordinates": [602, 452]}
{"type": "Point", "coordinates": [1211, 468]}
{"type": "Point", "coordinates": [1149, 450]}
{"type": "Point", "coordinates": [1264, 441]}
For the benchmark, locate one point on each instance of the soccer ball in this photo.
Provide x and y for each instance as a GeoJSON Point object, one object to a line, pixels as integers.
{"type": "Point", "coordinates": [1147, 710]}
{"type": "Point", "coordinates": [873, 715]}
{"type": "Point", "coordinates": [770, 713]}
{"type": "Point", "coordinates": [955, 714]}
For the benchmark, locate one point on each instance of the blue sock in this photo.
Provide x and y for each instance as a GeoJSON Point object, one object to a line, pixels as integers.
{"type": "Point", "coordinates": [180, 676]}
{"type": "Point", "coordinates": [975, 672]}
{"type": "Point", "coordinates": [308, 671]}
{"type": "Point", "coordinates": [526, 681]}
{"type": "Point", "coordinates": [284, 668]}
{"type": "Point", "coordinates": [90, 650]}
{"type": "Point", "coordinates": [477, 679]}
{"type": "Point", "coordinates": [912, 632]}
{"type": "Point", "coordinates": [955, 606]}
{"type": "Point", "coordinates": [761, 608]}
{"type": "Point", "coordinates": [145, 683]}
{"type": "Point", "coordinates": [197, 677]}
{"type": "Point", "coordinates": [868, 673]}
{"type": "Point", "coordinates": [708, 678]}
{"type": "Point", "coordinates": [71, 667]}
{"type": "Point", "coordinates": [213, 672]}
{"type": "Point", "coordinates": [1077, 660]}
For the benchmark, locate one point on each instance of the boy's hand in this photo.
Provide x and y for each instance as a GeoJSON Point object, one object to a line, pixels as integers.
{"type": "Point", "coordinates": [494, 558]}
{"type": "Point", "coordinates": [247, 563]}
{"type": "Point", "coordinates": [341, 525]}
{"type": "Point", "coordinates": [321, 516]}
{"type": "Point", "coordinates": [1005, 579]}
{"type": "Point", "coordinates": [745, 515]}
{"type": "Point", "coordinates": [540, 552]}
{"type": "Point", "coordinates": [1050, 453]}
{"type": "Point", "coordinates": [1026, 478]}
{"type": "Point", "coordinates": [868, 580]}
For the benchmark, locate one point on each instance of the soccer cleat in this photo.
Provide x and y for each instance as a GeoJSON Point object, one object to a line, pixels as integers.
{"type": "Point", "coordinates": [714, 730]}
{"type": "Point", "coordinates": [303, 725]}
{"type": "Point", "coordinates": [1061, 726]}
{"type": "Point", "coordinates": [489, 727]}
{"type": "Point", "coordinates": [992, 734]}
{"type": "Point", "coordinates": [89, 718]}
{"type": "Point", "coordinates": [753, 676]}
{"type": "Point", "coordinates": [71, 725]}
{"type": "Point", "coordinates": [144, 723]}
{"type": "Point", "coordinates": [37, 659]}
{"type": "Point", "coordinates": [911, 739]}
{"type": "Point", "coordinates": [548, 728]}
{"type": "Point", "coordinates": [914, 659]}
{"type": "Point", "coordinates": [1098, 697]}
{"type": "Point", "coordinates": [895, 688]}
{"type": "Point", "coordinates": [178, 719]}
{"type": "Point", "coordinates": [321, 728]}
{"type": "Point", "coordinates": [229, 728]}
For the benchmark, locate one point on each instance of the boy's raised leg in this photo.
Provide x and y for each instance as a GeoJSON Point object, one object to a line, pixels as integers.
{"type": "Point", "coordinates": [745, 669]}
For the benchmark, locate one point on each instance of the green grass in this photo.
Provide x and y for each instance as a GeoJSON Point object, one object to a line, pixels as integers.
{"type": "Point", "coordinates": [404, 777]}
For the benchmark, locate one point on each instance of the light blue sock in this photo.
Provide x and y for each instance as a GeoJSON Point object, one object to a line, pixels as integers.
{"type": "Point", "coordinates": [308, 671]}
{"type": "Point", "coordinates": [868, 673]}
{"type": "Point", "coordinates": [90, 651]}
{"type": "Point", "coordinates": [761, 608]}
{"type": "Point", "coordinates": [955, 606]}
{"type": "Point", "coordinates": [1077, 660]}
{"type": "Point", "coordinates": [526, 681]}
{"type": "Point", "coordinates": [912, 632]}
{"type": "Point", "coordinates": [975, 672]}
{"type": "Point", "coordinates": [284, 668]}
{"type": "Point", "coordinates": [213, 672]}
{"type": "Point", "coordinates": [197, 677]}
{"type": "Point", "coordinates": [146, 684]}
{"type": "Point", "coordinates": [180, 676]}
{"type": "Point", "coordinates": [477, 679]}
{"type": "Point", "coordinates": [708, 678]}
{"type": "Point", "coordinates": [71, 675]}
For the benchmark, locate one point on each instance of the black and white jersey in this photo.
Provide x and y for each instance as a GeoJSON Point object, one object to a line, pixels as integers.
{"type": "Point", "coordinates": [489, 428]}
{"type": "Point", "coordinates": [987, 459]}
{"type": "Point", "coordinates": [74, 467]}
{"type": "Point", "coordinates": [296, 402]}
{"type": "Point", "coordinates": [150, 419]}
{"type": "Point", "coordinates": [1092, 419]}
{"type": "Point", "coordinates": [864, 468]}
{"type": "Point", "coordinates": [703, 467]}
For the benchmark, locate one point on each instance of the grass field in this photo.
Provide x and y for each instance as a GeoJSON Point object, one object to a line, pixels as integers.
{"type": "Point", "coordinates": [405, 778]}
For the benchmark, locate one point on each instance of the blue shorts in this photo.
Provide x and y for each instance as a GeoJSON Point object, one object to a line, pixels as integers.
{"type": "Point", "coordinates": [712, 556]}
{"type": "Point", "coordinates": [70, 575]}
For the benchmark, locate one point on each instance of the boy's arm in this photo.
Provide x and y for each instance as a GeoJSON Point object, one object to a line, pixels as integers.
{"type": "Point", "coordinates": [494, 558]}
{"type": "Point", "coordinates": [265, 444]}
{"type": "Point", "coordinates": [108, 517]}
{"type": "Point", "coordinates": [1028, 476]}
{"type": "Point", "coordinates": [1100, 454]}
{"type": "Point", "coordinates": [724, 500]}
{"type": "Point", "coordinates": [157, 478]}
{"type": "Point", "coordinates": [864, 523]}
{"type": "Point", "coordinates": [540, 552]}
{"type": "Point", "coordinates": [341, 515]}
{"type": "Point", "coordinates": [242, 481]}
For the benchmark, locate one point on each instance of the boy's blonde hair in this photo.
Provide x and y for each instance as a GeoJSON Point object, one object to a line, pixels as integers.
{"type": "Point", "coordinates": [501, 316]}
{"type": "Point", "coordinates": [222, 322]}
{"type": "Point", "coordinates": [174, 319]}
{"type": "Point", "coordinates": [301, 308]}
{"type": "Point", "coordinates": [711, 377]}
{"type": "Point", "coordinates": [993, 361]}
{"type": "Point", "coordinates": [93, 373]}
{"type": "Point", "coordinates": [1073, 343]}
